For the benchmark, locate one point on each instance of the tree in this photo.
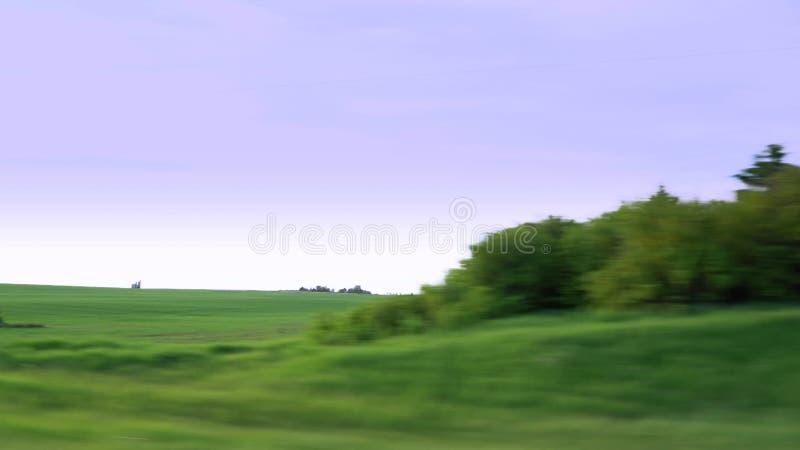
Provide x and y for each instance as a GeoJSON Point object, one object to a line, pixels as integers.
{"type": "Point", "coordinates": [766, 164]}
{"type": "Point", "coordinates": [517, 263]}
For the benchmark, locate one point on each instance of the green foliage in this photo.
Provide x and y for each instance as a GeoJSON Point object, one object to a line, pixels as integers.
{"type": "Point", "coordinates": [766, 164]}
{"type": "Point", "coordinates": [768, 227]}
{"type": "Point", "coordinates": [658, 252]}
{"type": "Point", "coordinates": [527, 263]}
{"type": "Point", "coordinates": [661, 256]}
{"type": "Point", "coordinates": [389, 316]}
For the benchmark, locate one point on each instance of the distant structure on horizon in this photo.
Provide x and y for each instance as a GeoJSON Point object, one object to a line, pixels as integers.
{"type": "Point", "coordinates": [137, 285]}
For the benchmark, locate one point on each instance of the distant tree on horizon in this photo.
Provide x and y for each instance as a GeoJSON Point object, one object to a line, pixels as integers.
{"type": "Point", "coordinates": [354, 290]}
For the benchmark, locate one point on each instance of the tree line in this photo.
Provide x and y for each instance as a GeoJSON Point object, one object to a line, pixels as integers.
{"type": "Point", "coordinates": [354, 290]}
{"type": "Point", "coordinates": [659, 251]}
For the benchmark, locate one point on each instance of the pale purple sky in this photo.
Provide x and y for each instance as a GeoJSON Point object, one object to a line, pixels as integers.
{"type": "Point", "coordinates": [144, 139]}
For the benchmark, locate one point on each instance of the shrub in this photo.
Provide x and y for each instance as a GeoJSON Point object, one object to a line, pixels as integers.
{"type": "Point", "coordinates": [381, 318]}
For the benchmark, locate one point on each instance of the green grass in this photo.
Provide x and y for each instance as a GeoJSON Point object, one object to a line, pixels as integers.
{"type": "Point", "coordinates": [164, 315]}
{"type": "Point", "coordinates": [196, 370]}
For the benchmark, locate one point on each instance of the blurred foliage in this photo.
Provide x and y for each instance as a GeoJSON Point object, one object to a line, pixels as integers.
{"type": "Point", "coordinates": [766, 164]}
{"type": "Point", "coordinates": [657, 252]}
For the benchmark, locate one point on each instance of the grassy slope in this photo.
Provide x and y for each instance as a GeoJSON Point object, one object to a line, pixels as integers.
{"type": "Point", "coordinates": [203, 376]}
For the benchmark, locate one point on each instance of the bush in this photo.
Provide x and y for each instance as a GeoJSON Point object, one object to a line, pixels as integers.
{"type": "Point", "coordinates": [382, 318]}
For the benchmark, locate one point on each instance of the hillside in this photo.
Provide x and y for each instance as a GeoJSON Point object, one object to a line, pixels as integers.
{"type": "Point", "coordinates": [184, 369]}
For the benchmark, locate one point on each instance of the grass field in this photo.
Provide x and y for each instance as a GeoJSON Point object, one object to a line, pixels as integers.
{"type": "Point", "coordinates": [208, 370]}
{"type": "Point", "coordinates": [163, 315]}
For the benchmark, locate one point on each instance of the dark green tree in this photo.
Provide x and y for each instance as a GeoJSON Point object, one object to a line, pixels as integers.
{"type": "Point", "coordinates": [767, 163]}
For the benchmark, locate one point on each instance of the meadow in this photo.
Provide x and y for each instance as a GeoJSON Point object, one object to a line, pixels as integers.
{"type": "Point", "coordinates": [152, 315]}
{"type": "Point", "coordinates": [171, 369]}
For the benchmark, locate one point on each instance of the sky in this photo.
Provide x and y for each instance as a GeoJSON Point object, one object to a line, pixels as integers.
{"type": "Point", "coordinates": [183, 143]}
